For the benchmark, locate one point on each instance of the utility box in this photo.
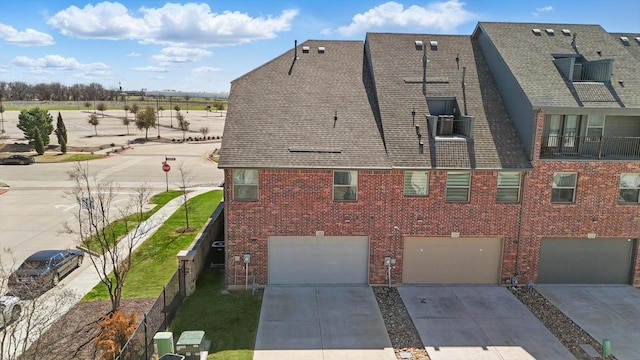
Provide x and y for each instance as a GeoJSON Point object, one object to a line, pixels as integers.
{"type": "Point", "coordinates": [163, 343]}
{"type": "Point", "coordinates": [172, 357]}
{"type": "Point", "coordinates": [191, 343]}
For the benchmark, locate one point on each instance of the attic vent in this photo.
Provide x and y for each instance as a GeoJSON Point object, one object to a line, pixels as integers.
{"type": "Point", "coordinates": [638, 40]}
{"type": "Point", "coordinates": [320, 49]}
{"type": "Point", "coordinates": [550, 32]}
{"type": "Point", "coordinates": [434, 45]}
{"type": "Point", "coordinates": [625, 40]}
{"type": "Point", "coordinates": [418, 45]}
{"type": "Point", "coordinates": [536, 32]}
{"type": "Point", "coordinates": [567, 32]}
{"type": "Point", "coordinates": [305, 49]}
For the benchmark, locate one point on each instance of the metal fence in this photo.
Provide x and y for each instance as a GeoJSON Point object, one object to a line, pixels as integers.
{"type": "Point", "coordinates": [140, 344]}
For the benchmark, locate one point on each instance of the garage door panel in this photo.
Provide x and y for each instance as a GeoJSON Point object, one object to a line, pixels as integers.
{"type": "Point", "coordinates": [318, 260]}
{"type": "Point", "coordinates": [452, 260]}
{"type": "Point", "coordinates": [585, 261]}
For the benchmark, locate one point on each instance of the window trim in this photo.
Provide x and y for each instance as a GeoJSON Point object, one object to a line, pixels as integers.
{"type": "Point", "coordinates": [517, 187]}
{"type": "Point", "coordinates": [468, 187]}
{"type": "Point", "coordinates": [404, 187]}
{"type": "Point", "coordinates": [574, 187]}
{"type": "Point", "coordinates": [620, 188]}
{"type": "Point", "coordinates": [234, 185]}
{"type": "Point", "coordinates": [334, 186]}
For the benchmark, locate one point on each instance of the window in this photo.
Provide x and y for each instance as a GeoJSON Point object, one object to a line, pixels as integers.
{"type": "Point", "coordinates": [508, 187]}
{"type": "Point", "coordinates": [245, 184]}
{"type": "Point", "coordinates": [345, 185]}
{"type": "Point", "coordinates": [458, 185]}
{"type": "Point", "coordinates": [416, 183]}
{"type": "Point", "coordinates": [564, 187]}
{"type": "Point", "coordinates": [629, 188]}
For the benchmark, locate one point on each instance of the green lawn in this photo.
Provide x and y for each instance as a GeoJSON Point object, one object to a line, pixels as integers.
{"type": "Point", "coordinates": [154, 262]}
{"type": "Point", "coordinates": [230, 321]}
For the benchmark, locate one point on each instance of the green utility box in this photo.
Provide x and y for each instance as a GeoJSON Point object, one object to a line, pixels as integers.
{"type": "Point", "coordinates": [191, 343]}
{"type": "Point", "coordinates": [163, 343]}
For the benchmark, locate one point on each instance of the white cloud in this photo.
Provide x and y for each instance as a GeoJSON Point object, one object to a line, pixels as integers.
{"type": "Point", "coordinates": [57, 62]}
{"type": "Point", "coordinates": [173, 24]}
{"type": "Point", "coordinates": [205, 69]}
{"type": "Point", "coordinates": [29, 37]}
{"type": "Point", "coordinates": [150, 68]}
{"type": "Point", "coordinates": [543, 9]}
{"type": "Point", "coordinates": [133, 54]}
{"type": "Point", "coordinates": [443, 16]}
{"type": "Point", "coordinates": [175, 54]}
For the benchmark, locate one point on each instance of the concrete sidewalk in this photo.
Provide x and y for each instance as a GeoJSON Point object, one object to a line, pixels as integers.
{"type": "Point", "coordinates": [321, 323]}
{"type": "Point", "coordinates": [478, 322]}
{"type": "Point", "coordinates": [82, 280]}
{"type": "Point", "coordinates": [604, 311]}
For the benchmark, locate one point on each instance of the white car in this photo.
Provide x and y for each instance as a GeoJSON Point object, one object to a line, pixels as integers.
{"type": "Point", "coordinates": [10, 310]}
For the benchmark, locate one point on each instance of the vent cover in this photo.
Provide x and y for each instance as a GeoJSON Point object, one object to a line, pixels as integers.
{"type": "Point", "coordinates": [305, 49]}
{"type": "Point", "coordinates": [536, 32]}
{"type": "Point", "coordinates": [418, 45]}
{"type": "Point", "coordinates": [638, 40]}
{"type": "Point", "coordinates": [434, 45]}
{"type": "Point", "coordinates": [550, 32]}
{"type": "Point", "coordinates": [320, 49]}
{"type": "Point", "coordinates": [625, 40]}
{"type": "Point", "coordinates": [567, 32]}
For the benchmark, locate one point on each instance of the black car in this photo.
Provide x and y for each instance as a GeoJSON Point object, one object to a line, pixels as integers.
{"type": "Point", "coordinates": [43, 270]}
{"type": "Point", "coordinates": [18, 160]}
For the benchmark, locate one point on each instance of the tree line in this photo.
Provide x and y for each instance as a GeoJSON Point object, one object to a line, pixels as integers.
{"type": "Point", "coordinates": [20, 91]}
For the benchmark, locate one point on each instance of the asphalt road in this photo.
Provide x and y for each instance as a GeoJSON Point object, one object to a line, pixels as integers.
{"type": "Point", "coordinates": [33, 211]}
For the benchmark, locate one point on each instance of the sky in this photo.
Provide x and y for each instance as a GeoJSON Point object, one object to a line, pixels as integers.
{"type": "Point", "coordinates": [202, 46]}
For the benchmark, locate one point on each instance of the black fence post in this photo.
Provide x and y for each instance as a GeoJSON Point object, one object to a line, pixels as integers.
{"type": "Point", "coordinates": [146, 338]}
{"type": "Point", "coordinates": [164, 306]}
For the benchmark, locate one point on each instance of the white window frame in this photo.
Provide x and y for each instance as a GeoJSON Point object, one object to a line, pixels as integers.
{"type": "Point", "coordinates": [555, 187]}
{"type": "Point", "coordinates": [509, 187]}
{"type": "Point", "coordinates": [416, 183]}
{"type": "Point", "coordinates": [629, 182]}
{"type": "Point", "coordinates": [450, 186]}
{"type": "Point", "coordinates": [243, 181]}
{"type": "Point", "coordinates": [345, 192]}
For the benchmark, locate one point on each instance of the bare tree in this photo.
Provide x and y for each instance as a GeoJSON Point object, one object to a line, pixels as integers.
{"type": "Point", "coordinates": [185, 182]}
{"type": "Point", "coordinates": [183, 124]}
{"type": "Point", "coordinates": [102, 107]}
{"type": "Point", "coordinates": [92, 226]}
{"type": "Point", "coordinates": [93, 120]}
{"type": "Point", "coordinates": [204, 131]}
{"type": "Point", "coordinates": [29, 317]}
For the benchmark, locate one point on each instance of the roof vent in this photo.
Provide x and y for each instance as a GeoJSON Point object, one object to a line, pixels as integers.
{"type": "Point", "coordinates": [305, 49]}
{"type": "Point", "coordinates": [566, 32]}
{"type": "Point", "coordinates": [536, 32]}
{"type": "Point", "coordinates": [434, 45]}
{"type": "Point", "coordinates": [418, 45]}
{"type": "Point", "coordinates": [550, 32]}
{"type": "Point", "coordinates": [320, 49]}
{"type": "Point", "coordinates": [638, 40]}
{"type": "Point", "coordinates": [625, 40]}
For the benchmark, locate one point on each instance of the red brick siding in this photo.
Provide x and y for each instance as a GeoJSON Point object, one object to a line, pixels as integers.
{"type": "Point", "coordinates": [299, 202]}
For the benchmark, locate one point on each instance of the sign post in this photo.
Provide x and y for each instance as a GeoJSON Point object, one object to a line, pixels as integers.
{"type": "Point", "coordinates": [166, 168]}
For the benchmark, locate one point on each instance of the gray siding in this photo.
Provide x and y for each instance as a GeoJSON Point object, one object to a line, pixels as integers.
{"type": "Point", "coordinates": [622, 126]}
{"type": "Point", "coordinates": [515, 100]}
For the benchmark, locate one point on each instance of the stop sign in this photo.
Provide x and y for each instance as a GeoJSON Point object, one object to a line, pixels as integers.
{"type": "Point", "coordinates": [166, 167]}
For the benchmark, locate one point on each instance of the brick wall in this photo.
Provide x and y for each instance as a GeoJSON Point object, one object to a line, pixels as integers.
{"type": "Point", "coordinates": [299, 202]}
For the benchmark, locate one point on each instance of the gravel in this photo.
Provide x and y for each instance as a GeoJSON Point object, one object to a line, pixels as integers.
{"type": "Point", "coordinates": [404, 336]}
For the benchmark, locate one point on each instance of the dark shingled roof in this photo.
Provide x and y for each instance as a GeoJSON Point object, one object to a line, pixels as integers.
{"type": "Point", "coordinates": [281, 115]}
{"type": "Point", "coordinates": [398, 75]}
{"type": "Point", "coordinates": [530, 58]}
{"type": "Point", "coordinates": [634, 42]}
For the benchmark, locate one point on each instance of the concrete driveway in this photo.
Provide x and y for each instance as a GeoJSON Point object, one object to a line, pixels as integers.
{"type": "Point", "coordinates": [604, 311]}
{"type": "Point", "coordinates": [478, 322]}
{"type": "Point", "coordinates": [323, 323]}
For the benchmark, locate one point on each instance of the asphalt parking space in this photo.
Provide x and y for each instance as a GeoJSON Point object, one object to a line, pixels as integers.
{"type": "Point", "coordinates": [321, 323]}
{"type": "Point", "coordinates": [604, 311]}
{"type": "Point", "coordinates": [478, 322]}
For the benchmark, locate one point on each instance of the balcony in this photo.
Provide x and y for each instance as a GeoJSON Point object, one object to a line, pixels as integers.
{"type": "Point", "coordinates": [590, 147]}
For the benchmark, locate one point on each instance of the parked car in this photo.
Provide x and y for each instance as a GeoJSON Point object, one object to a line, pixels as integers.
{"type": "Point", "coordinates": [10, 310]}
{"type": "Point", "coordinates": [43, 270]}
{"type": "Point", "coordinates": [18, 160]}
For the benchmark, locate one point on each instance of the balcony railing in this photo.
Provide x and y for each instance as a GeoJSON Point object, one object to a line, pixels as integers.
{"type": "Point", "coordinates": [592, 147]}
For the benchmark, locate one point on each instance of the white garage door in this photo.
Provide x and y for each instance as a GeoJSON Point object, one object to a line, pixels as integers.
{"type": "Point", "coordinates": [449, 260]}
{"type": "Point", "coordinates": [318, 260]}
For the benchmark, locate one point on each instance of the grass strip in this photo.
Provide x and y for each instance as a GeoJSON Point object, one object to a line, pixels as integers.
{"type": "Point", "coordinates": [154, 261]}
{"type": "Point", "coordinates": [230, 321]}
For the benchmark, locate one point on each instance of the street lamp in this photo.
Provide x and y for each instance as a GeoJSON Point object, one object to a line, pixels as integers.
{"type": "Point", "coordinates": [171, 111]}
{"type": "Point", "coordinates": [2, 115]}
{"type": "Point", "coordinates": [158, 115]}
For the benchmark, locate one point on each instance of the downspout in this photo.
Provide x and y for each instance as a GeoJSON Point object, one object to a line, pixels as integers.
{"type": "Point", "coordinates": [520, 224]}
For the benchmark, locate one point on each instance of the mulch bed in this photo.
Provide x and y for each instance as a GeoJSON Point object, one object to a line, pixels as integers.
{"type": "Point", "coordinates": [71, 337]}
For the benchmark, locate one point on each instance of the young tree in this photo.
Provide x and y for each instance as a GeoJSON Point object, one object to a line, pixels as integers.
{"type": "Point", "coordinates": [35, 118]}
{"type": "Point", "coordinates": [39, 144]}
{"type": "Point", "coordinates": [161, 109]}
{"type": "Point", "coordinates": [87, 104]}
{"type": "Point", "coordinates": [177, 108]}
{"type": "Point", "coordinates": [146, 119]}
{"type": "Point", "coordinates": [185, 182]}
{"type": "Point", "coordinates": [126, 122]}
{"type": "Point", "coordinates": [93, 230]}
{"type": "Point", "coordinates": [204, 131]}
{"type": "Point", "coordinates": [63, 145]}
{"type": "Point", "coordinates": [93, 120]}
{"type": "Point", "coordinates": [102, 107]}
{"type": "Point", "coordinates": [126, 110]}
{"type": "Point", "coordinates": [134, 109]}
{"type": "Point", "coordinates": [183, 124]}
{"type": "Point", "coordinates": [61, 130]}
